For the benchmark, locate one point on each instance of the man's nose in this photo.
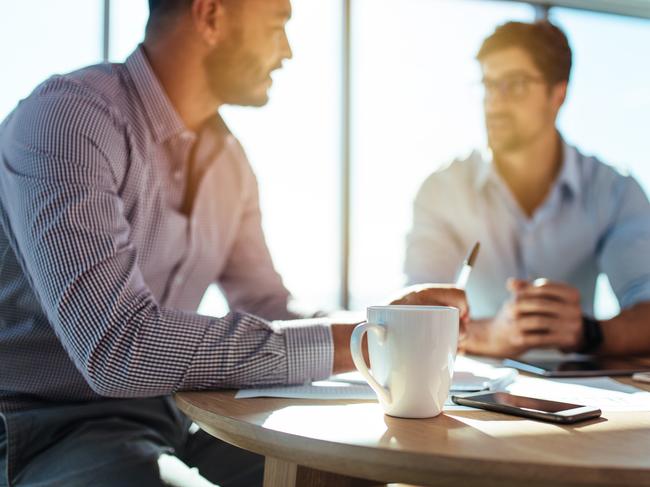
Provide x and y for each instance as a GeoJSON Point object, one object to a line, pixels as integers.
{"type": "Point", "coordinates": [286, 52]}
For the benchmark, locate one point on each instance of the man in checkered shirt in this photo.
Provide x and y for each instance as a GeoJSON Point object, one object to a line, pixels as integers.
{"type": "Point", "coordinates": [122, 197]}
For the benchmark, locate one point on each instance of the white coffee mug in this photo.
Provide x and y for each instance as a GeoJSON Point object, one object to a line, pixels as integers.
{"type": "Point", "coordinates": [412, 353]}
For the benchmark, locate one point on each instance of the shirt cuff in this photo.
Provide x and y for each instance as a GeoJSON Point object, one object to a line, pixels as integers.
{"type": "Point", "coordinates": [310, 352]}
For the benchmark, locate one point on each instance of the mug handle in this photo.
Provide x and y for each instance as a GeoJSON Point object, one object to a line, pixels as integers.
{"type": "Point", "coordinates": [360, 363]}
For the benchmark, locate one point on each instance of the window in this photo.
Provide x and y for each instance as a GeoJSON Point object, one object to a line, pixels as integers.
{"type": "Point", "coordinates": [128, 18]}
{"type": "Point", "coordinates": [608, 109]}
{"type": "Point", "coordinates": [41, 38]}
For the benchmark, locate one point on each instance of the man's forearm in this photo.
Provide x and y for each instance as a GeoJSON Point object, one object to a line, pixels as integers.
{"type": "Point", "coordinates": [341, 335]}
{"type": "Point", "coordinates": [628, 333]}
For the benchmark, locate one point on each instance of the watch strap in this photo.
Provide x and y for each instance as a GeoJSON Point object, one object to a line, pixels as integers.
{"type": "Point", "coordinates": [592, 335]}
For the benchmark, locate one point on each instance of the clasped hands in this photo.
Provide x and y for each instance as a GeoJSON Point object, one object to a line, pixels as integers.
{"type": "Point", "coordinates": [539, 314]}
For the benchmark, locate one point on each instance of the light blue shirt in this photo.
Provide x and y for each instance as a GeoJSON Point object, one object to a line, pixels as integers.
{"type": "Point", "coordinates": [594, 220]}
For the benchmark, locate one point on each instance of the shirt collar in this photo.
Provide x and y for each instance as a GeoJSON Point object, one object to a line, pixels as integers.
{"type": "Point", "coordinates": [165, 122]}
{"type": "Point", "coordinates": [570, 173]}
{"type": "Point", "coordinates": [569, 176]}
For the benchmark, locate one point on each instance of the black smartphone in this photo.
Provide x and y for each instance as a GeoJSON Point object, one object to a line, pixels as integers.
{"type": "Point", "coordinates": [528, 407]}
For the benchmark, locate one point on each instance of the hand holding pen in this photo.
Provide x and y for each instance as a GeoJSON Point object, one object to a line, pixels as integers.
{"type": "Point", "coordinates": [442, 294]}
{"type": "Point", "coordinates": [461, 283]}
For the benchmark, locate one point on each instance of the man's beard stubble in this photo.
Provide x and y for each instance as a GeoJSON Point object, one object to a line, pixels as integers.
{"type": "Point", "coordinates": [234, 76]}
{"type": "Point", "coordinates": [507, 141]}
{"type": "Point", "coordinates": [513, 143]}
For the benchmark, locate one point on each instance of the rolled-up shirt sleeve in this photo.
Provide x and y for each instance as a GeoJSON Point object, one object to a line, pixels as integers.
{"type": "Point", "coordinates": [66, 222]}
{"type": "Point", "coordinates": [624, 250]}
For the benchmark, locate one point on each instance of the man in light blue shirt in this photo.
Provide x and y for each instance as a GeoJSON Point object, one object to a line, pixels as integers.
{"type": "Point", "coordinates": [549, 218]}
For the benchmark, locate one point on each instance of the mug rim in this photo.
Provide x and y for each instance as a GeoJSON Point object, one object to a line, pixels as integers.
{"type": "Point", "coordinates": [408, 307]}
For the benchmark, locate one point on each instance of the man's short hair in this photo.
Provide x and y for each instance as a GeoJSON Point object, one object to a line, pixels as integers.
{"type": "Point", "coordinates": [546, 44]}
{"type": "Point", "coordinates": [157, 7]}
{"type": "Point", "coordinates": [160, 11]}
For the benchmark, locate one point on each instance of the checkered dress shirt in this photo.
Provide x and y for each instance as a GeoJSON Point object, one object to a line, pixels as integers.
{"type": "Point", "coordinates": [101, 271]}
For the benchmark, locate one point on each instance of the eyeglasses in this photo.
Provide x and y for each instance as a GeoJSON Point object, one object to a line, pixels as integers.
{"type": "Point", "coordinates": [510, 87]}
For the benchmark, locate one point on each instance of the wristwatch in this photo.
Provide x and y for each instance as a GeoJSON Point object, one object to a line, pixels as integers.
{"type": "Point", "coordinates": [592, 335]}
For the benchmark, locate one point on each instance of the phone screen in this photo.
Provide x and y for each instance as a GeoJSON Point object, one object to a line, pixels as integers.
{"type": "Point", "coordinates": [526, 403]}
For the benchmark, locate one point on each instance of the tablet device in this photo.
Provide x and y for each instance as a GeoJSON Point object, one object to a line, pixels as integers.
{"type": "Point", "coordinates": [578, 367]}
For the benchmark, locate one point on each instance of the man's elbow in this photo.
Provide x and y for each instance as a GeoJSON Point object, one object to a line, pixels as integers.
{"type": "Point", "coordinates": [108, 385]}
{"type": "Point", "coordinates": [121, 381]}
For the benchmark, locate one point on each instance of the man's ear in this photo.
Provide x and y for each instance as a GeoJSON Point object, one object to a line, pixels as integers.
{"type": "Point", "coordinates": [207, 16]}
{"type": "Point", "coordinates": [558, 94]}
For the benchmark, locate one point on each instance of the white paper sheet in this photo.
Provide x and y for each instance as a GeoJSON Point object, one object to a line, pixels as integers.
{"type": "Point", "coordinates": [316, 390]}
{"type": "Point", "coordinates": [601, 392]}
{"type": "Point", "coordinates": [472, 375]}
{"type": "Point", "coordinates": [325, 390]}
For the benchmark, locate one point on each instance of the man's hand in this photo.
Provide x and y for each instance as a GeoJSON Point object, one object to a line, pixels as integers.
{"type": "Point", "coordinates": [423, 295]}
{"type": "Point", "coordinates": [547, 314]}
{"type": "Point", "coordinates": [435, 295]}
{"type": "Point", "coordinates": [541, 314]}
{"type": "Point", "coordinates": [341, 335]}
{"type": "Point", "coordinates": [497, 337]}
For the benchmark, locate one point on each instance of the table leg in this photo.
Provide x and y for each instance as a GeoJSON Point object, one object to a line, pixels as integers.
{"type": "Point", "coordinates": [280, 473]}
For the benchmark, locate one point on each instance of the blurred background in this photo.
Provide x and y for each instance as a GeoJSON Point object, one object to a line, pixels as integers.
{"type": "Point", "coordinates": [380, 93]}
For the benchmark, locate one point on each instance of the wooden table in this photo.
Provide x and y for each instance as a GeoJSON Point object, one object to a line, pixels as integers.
{"type": "Point", "coordinates": [329, 443]}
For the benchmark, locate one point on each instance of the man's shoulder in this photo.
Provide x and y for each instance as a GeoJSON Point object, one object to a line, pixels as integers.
{"type": "Point", "coordinates": [107, 80]}
{"type": "Point", "coordinates": [66, 116]}
{"type": "Point", "coordinates": [101, 87]}
{"type": "Point", "coordinates": [600, 176]}
{"type": "Point", "coordinates": [607, 188]}
{"type": "Point", "coordinates": [460, 173]}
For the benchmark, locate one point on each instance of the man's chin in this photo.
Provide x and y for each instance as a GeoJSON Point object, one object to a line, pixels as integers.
{"type": "Point", "coordinates": [251, 100]}
{"type": "Point", "coordinates": [259, 102]}
{"type": "Point", "coordinates": [500, 145]}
